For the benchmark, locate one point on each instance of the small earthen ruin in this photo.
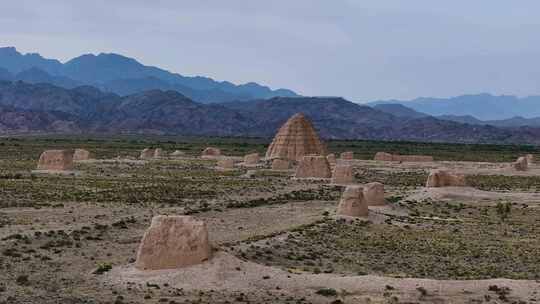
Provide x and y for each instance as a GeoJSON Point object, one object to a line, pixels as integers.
{"type": "Point", "coordinates": [443, 178]}
{"type": "Point", "coordinates": [313, 166]}
{"type": "Point", "coordinates": [352, 202]}
{"type": "Point", "coordinates": [56, 160]}
{"type": "Point", "coordinates": [173, 242]}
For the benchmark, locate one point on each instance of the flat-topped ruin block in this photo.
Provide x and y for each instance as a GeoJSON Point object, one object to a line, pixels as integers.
{"type": "Point", "coordinates": [352, 202]}
{"type": "Point", "coordinates": [173, 242]}
{"type": "Point", "coordinates": [347, 155]}
{"type": "Point", "coordinates": [342, 174]}
{"type": "Point", "coordinates": [81, 154]}
{"type": "Point", "coordinates": [315, 166]}
{"type": "Point", "coordinates": [281, 164]}
{"type": "Point", "coordinates": [211, 152]}
{"type": "Point", "coordinates": [56, 160]}
{"type": "Point", "coordinates": [147, 153]}
{"type": "Point", "coordinates": [251, 159]}
{"type": "Point", "coordinates": [374, 194]}
{"type": "Point", "coordinates": [443, 178]}
{"type": "Point", "coordinates": [521, 164]}
{"type": "Point", "coordinates": [226, 163]}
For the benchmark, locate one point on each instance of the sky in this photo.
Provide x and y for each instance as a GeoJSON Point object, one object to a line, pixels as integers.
{"type": "Point", "coordinates": [362, 50]}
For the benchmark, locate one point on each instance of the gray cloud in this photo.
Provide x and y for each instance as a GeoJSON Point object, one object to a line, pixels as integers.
{"type": "Point", "coordinates": [363, 50]}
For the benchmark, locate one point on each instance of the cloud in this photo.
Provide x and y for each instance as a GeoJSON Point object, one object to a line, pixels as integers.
{"type": "Point", "coordinates": [363, 50]}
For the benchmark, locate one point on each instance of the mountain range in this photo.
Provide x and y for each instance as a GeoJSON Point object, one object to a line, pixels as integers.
{"type": "Point", "coordinates": [34, 108]}
{"type": "Point", "coordinates": [483, 107]}
{"type": "Point", "coordinates": [400, 110]}
{"type": "Point", "coordinates": [111, 93]}
{"type": "Point", "coordinates": [124, 76]}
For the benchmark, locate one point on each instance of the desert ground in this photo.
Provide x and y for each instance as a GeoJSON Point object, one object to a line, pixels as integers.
{"type": "Point", "coordinates": [73, 238]}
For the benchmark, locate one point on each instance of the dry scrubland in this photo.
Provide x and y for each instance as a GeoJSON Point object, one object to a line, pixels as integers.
{"type": "Point", "coordinates": [72, 238]}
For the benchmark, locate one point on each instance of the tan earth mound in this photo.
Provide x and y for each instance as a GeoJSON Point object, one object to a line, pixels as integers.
{"type": "Point", "coordinates": [352, 202]}
{"type": "Point", "coordinates": [225, 272]}
{"type": "Point", "coordinates": [251, 159]}
{"type": "Point", "coordinates": [530, 159]}
{"type": "Point", "coordinates": [383, 156]}
{"type": "Point", "coordinates": [211, 152]}
{"type": "Point", "coordinates": [177, 153]}
{"type": "Point", "coordinates": [296, 139]}
{"type": "Point", "coordinates": [158, 153]}
{"type": "Point", "coordinates": [374, 194]}
{"type": "Point", "coordinates": [173, 242]}
{"type": "Point", "coordinates": [521, 164]}
{"type": "Point", "coordinates": [443, 178]}
{"type": "Point", "coordinates": [147, 154]}
{"type": "Point", "coordinates": [226, 163]}
{"type": "Point", "coordinates": [349, 155]}
{"type": "Point", "coordinates": [57, 160]}
{"type": "Point", "coordinates": [331, 159]}
{"type": "Point", "coordinates": [313, 166]}
{"type": "Point", "coordinates": [81, 154]}
{"type": "Point", "coordinates": [343, 174]}
{"type": "Point", "coordinates": [280, 164]}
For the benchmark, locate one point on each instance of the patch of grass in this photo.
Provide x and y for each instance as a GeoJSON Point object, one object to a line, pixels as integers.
{"type": "Point", "coordinates": [504, 183]}
{"type": "Point", "coordinates": [439, 240]}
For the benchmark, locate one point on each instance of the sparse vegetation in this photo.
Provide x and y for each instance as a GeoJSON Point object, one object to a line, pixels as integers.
{"type": "Point", "coordinates": [60, 235]}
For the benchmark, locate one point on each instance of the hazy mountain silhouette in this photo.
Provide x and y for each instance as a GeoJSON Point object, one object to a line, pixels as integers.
{"type": "Point", "coordinates": [400, 110]}
{"type": "Point", "coordinates": [123, 75]}
{"type": "Point", "coordinates": [481, 106]}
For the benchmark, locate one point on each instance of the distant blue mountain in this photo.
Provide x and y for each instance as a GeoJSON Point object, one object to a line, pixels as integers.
{"type": "Point", "coordinates": [123, 75]}
{"type": "Point", "coordinates": [15, 62]}
{"type": "Point", "coordinates": [402, 111]}
{"type": "Point", "coordinates": [481, 106]}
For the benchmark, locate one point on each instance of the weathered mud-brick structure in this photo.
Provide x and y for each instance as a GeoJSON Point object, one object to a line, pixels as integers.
{"type": "Point", "coordinates": [147, 154]}
{"type": "Point", "coordinates": [56, 160]}
{"type": "Point", "coordinates": [331, 159]}
{"type": "Point", "coordinates": [251, 159]}
{"type": "Point", "coordinates": [226, 163]}
{"type": "Point", "coordinates": [521, 164]}
{"type": "Point", "coordinates": [81, 154]}
{"type": "Point", "coordinates": [177, 153]}
{"type": "Point", "coordinates": [342, 174]}
{"type": "Point", "coordinates": [281, 164]}
{"type": "Point", "coordinates": [443, 178]}
{"type": "Point", "coordinates": [158, 153]}
{"type": "Point", "coordinates": [211, 152]}
{"type": "Point", "coordinates": [173, 242]}
{"type": "Point", "coordinates": [383, 156]}
{"type": "Point", "coordinates": [374, 194]}
{"type": "Point", "coordinates": [313, 166]}
{"type": "Point", "coordinates": [349, 155]}
{"type": "Point", "coordinates": [296, 139]}
{"type": "Point", "coordinates": [352, 202]}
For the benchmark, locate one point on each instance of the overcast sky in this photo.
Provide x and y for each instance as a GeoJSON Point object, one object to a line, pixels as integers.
{"type": "Point", "coordinates": [363, 50]}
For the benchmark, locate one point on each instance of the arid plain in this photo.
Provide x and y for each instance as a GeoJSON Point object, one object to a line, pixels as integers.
{"type": "Point", "coordinates": [73, 237]}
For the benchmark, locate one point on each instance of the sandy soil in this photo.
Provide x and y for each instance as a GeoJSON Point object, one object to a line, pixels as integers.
{"type": "Point", "coordinates": [226, 272]}
{"type": "Point", "coordinates": [230, 274]}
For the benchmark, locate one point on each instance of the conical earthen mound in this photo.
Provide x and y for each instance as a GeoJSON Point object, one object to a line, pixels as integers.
{"type": "Point", "coordinates": [295, 139]}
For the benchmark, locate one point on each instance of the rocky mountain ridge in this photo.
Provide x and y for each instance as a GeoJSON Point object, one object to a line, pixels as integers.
{"type": "Point", "coordinates": [31, 108]}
